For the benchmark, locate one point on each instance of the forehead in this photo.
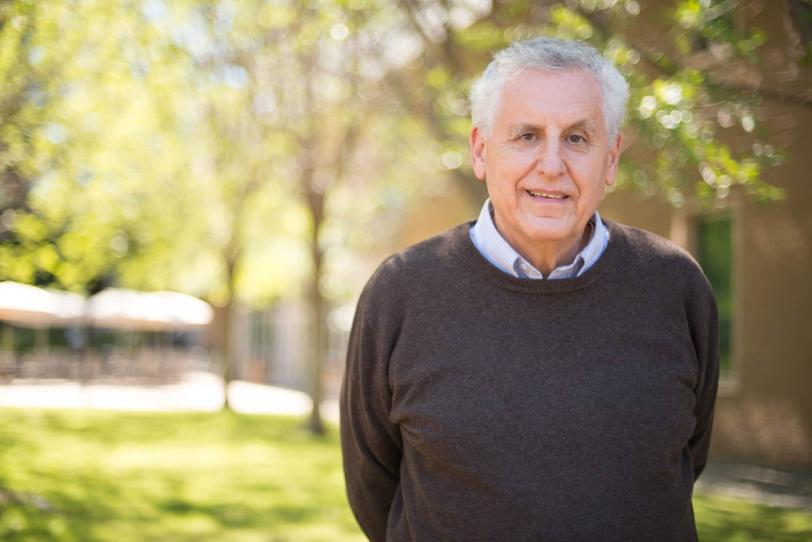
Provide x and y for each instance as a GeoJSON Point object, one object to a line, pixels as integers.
{"type": "Point", "coordinates": [543, 97]}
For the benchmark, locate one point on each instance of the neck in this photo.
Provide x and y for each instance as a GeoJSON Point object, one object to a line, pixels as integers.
{"type": "Point", "coordinates": [548, 256]}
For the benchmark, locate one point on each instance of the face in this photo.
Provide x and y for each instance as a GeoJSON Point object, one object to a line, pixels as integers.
{"type": "Point", "coordinates": [547, 160]}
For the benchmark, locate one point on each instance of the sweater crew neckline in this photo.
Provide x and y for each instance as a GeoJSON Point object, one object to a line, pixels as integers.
{"type": "Point", "coordinates": [475, 261]}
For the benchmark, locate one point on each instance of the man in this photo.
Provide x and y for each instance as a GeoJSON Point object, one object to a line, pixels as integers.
{"type": "Point", "coordinates": [540, 374]}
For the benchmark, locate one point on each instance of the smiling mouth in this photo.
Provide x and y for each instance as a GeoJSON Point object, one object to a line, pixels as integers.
{"type": "Point", "coordinates": [546, 195]}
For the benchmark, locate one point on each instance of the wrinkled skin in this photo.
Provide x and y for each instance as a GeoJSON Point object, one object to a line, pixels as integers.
{"type": "Point", "coordinates": [547, 163]}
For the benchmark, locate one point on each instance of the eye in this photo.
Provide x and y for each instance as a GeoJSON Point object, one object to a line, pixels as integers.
{"type": "Point", "coordinates": [576, 138]}
{"type": "Point", "coordinates": [527, 136]}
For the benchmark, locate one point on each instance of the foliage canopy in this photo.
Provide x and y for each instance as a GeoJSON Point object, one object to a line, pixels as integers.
{"type": "Point", "coordinates": [224, 148]}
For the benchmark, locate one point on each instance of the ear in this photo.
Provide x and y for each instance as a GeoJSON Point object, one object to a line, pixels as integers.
{"type": "Point", "coordinates": [614, 159]}
{"type": "Point", "coordinates": [477, 143]}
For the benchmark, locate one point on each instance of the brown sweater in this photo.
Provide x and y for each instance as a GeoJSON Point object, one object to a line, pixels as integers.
{"type": "Point", "coordinates": [479, 406]}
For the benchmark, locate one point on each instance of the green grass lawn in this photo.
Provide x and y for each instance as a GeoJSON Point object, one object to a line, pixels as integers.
{"type": "Point", "coordinates": [100, 476]}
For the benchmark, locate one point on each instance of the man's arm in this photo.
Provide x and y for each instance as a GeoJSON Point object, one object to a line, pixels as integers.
{"type": "Point", "coordinates": [704, 325]}
{"type": "Point", "coordinates": [370, 444]}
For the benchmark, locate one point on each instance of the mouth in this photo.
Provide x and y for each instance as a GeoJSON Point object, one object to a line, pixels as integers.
{"type": "Point", "coordinates": [547, 195]}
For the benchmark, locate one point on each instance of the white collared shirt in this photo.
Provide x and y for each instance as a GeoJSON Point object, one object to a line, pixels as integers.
{"type": "Point", "coordinates": [490, 243]}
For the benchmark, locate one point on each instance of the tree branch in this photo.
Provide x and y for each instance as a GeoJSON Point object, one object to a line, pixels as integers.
{"type": "Point", "coordinates": [672, 67]}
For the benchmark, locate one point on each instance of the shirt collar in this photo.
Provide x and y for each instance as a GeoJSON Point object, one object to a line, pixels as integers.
{"type": "Point", "coordinates": [496, 250]}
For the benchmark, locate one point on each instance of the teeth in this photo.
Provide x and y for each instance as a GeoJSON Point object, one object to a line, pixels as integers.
{"type": "Point", "coordinates": [545, 195]}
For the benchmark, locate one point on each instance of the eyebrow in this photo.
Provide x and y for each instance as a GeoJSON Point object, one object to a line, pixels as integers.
{"type": "Point", "coordinates": [519, 129]}
{"type": "Point", "coordinates": [584, 124]}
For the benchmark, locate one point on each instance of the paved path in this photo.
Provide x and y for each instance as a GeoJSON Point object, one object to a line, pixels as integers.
{"type": "Point", "coordinates": [198, 391]}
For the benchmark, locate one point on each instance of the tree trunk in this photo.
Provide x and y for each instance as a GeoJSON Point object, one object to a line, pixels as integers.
{"type": "Point", "coordinates": [226, 370]}
{"type": "Point", "coordinates": [228, 366]}
{"type": "Point", "coordinates": [317, 305]}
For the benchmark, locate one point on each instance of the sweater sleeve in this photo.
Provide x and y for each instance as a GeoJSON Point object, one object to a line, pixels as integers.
{"type": "Point", "coordinates": [705, 334]}
{"type": "Point", "coordinates": [371, 445]}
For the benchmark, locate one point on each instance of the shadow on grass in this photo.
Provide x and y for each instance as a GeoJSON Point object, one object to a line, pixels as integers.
{"type": "Point", "coordinates": [52, 515]}
{"type": "Point", "coordinates": [734, 520]}
{"type": "Point", "coordinates": [100, 476]}
{"type": "Point", "coordinates": [96, 476]}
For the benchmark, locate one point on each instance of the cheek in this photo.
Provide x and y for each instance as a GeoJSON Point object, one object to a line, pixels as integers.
{"type": "Point", "coordinates": [504, 173]}
{"type": "Point", "coordinates": [589, 177]}
{"type": "Point", "coordinates": [499, 190]}
{"type": "Point", "coordinates": [511, 166]}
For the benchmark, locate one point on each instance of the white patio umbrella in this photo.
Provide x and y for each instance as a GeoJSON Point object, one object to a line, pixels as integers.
{"type": "Point", "coordinates": [147, 311]}
{"type": "Point", "coordinates": [36, 307]}
{"type": "Point", "coordinates": [186, 311]}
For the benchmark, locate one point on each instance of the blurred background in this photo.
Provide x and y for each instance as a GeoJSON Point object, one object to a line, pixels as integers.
{"type": "Point", "coordinates": [193, 193]}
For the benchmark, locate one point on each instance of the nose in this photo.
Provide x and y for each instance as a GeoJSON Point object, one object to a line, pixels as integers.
{"type": "Point", "coordinates": [550, 162]}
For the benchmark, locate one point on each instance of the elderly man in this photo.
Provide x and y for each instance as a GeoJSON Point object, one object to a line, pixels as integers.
{"type": "Point", "coordinates": [540, 374]}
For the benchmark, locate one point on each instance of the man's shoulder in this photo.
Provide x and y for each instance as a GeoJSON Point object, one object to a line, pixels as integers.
{"type": "Point", "coordinates": [650, 246]}
{"type": "Point", "coordinates": [656, 256]}
{"type": "Point", "coordinates": [416, 265]}
{"type": "Point", "coordinates": [435, 250]}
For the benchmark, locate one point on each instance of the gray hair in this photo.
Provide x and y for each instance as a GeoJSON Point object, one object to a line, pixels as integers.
{"type": "Point", "coordinates": [548, 54]}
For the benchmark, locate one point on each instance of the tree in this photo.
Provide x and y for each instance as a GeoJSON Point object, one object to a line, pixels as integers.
{"type": "Point", "coordinates": [88, 140]}
{"type": "Point", "coordinates": [287, 103]}
{"type": "Point", "coordinates": [678, 107]}
{"type": "Point", "coordinates": [200, 147]}
{"type": "Point", "coordinates": [246, 151]}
